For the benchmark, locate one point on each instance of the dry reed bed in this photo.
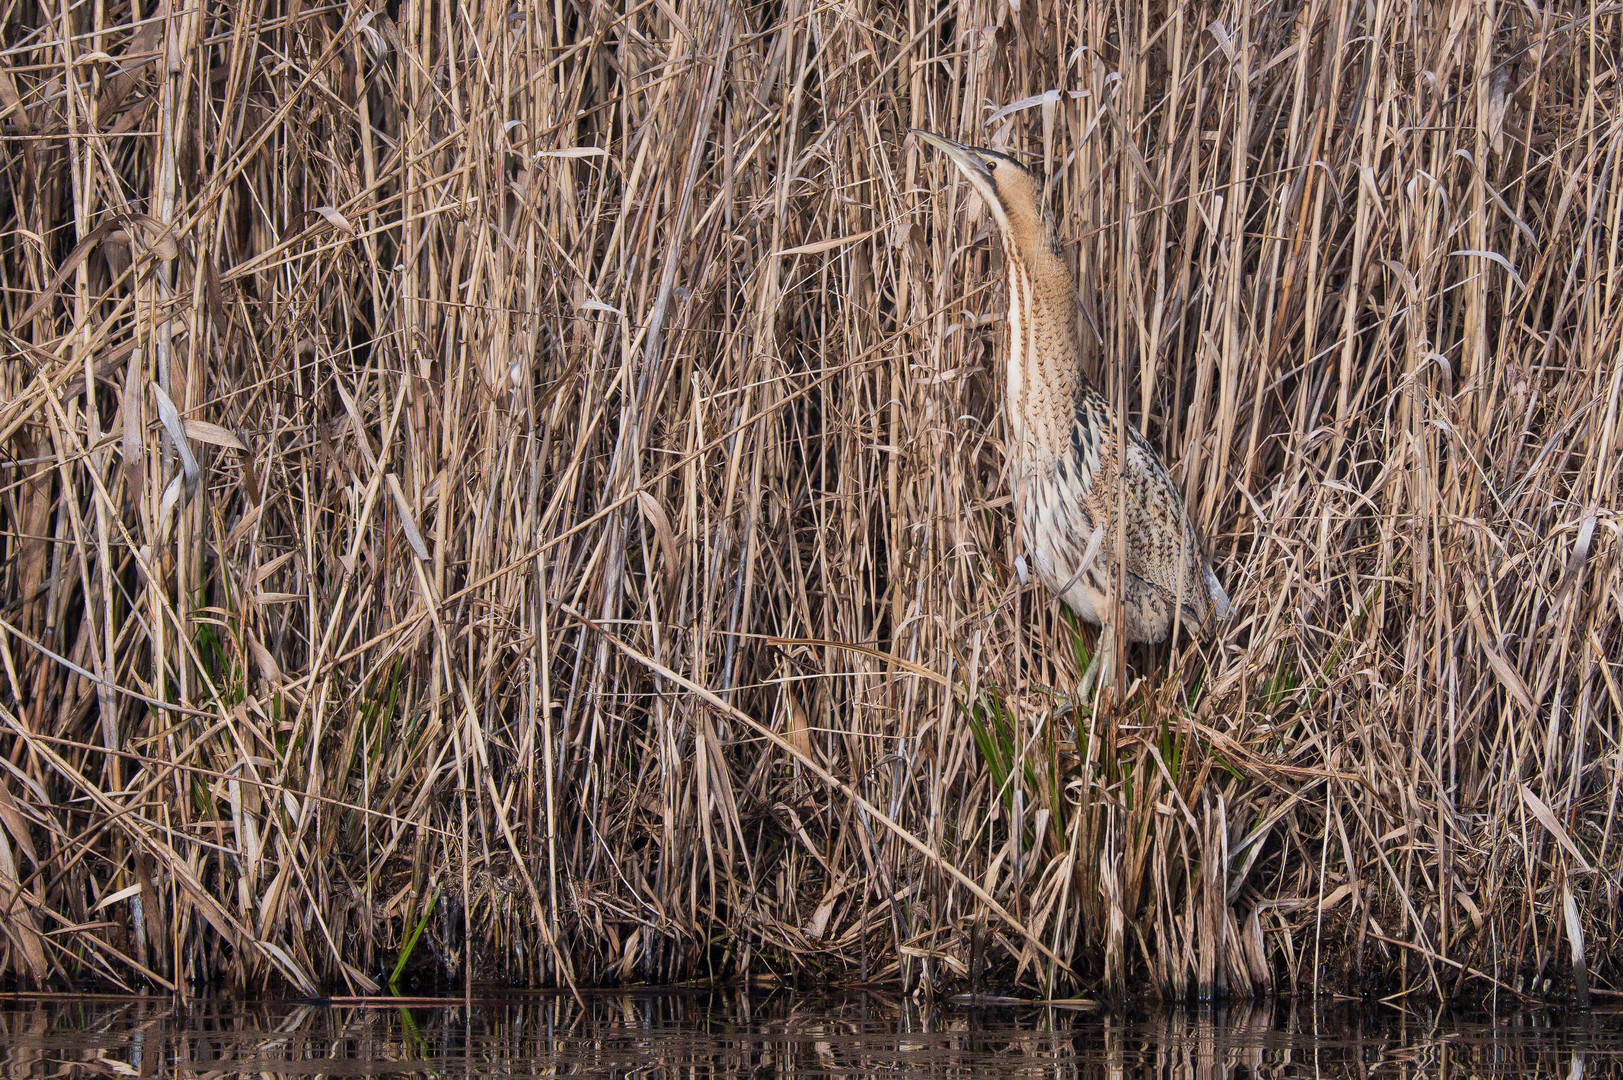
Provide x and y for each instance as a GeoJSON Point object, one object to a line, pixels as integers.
{"type": "Point", "coordinates": [600, 556]}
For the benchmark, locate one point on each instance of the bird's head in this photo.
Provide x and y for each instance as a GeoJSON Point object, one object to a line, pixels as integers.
{"type": "Point", "coordinates": [1012, 192]}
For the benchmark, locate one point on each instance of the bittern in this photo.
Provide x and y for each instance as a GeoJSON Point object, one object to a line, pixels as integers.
{"type": "Point", "coordinates": [1073, 490]}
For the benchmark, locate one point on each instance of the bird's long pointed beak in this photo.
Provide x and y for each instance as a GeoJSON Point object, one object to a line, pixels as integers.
{"type": "Point", "coordinates": [962, 156]}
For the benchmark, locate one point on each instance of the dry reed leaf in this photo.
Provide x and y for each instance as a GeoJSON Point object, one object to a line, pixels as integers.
{"type": "Point", "coordinates": [335, 219]}
{"type": "Point", "coordinates": [670, 560]}
{"type": "Point", "coordinates": [1575, 942]}
{"type": "Point", "coordinates": [1048, 98]}
{"type": "Point", "coordinates": [11, 106]}
{"type": "Point", "coordinates": [1495, 257]}
{"type": "Point", "coordinates": [21, 926]}
{"type": "Point", "coordinates": [573, 152]}
{"type": "Point", "coordinates": [407, 525]}
{"type": "Point", "coordinates": [264, 572]}
{"type": "Point", "coordinates": [170, 416]}
{"type": "Point", "coordinates": [1559, 833]}
{"type": "Point", "coordinates": [263, 660]}
{"type": "Point", "coordinates": [1580, 555]}
{"type": "Point", "coordinates": [797, 729]}
{"type": "Point", "coordinates": [12, 816]}
{"type": "Point", "coordinates": [121, 895]}
{"type": "Point", "coordinates": [75, 258]}
{"type": "Point", "coordinates": [1508, 676]}
{"type": "Point", "coordinates": [213, 434]}
{"type": "Point", "coordinates": [833, 244]}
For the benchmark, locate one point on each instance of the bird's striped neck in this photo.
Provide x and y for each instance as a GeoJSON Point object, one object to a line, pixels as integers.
{"type": "Point", "coordinates": [1044, 382]}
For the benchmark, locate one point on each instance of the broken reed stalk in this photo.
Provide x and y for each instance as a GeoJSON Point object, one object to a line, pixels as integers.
{"type": "Point", "coordinates": [539, 364]}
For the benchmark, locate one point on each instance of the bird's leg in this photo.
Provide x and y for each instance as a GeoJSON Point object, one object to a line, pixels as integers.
{"type": "Point", "coordinates": [1101, 666]}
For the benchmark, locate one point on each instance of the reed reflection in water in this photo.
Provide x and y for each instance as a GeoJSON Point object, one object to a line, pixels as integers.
{"type": "Point", "coordinates": [740, 1036]}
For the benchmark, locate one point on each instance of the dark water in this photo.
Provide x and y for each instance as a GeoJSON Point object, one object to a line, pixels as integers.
{"type": "Point", "coordinates": [752, 1037]}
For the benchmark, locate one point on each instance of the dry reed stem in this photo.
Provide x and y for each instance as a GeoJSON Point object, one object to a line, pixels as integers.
{"type": "Point", "coordinates": [583, 497]}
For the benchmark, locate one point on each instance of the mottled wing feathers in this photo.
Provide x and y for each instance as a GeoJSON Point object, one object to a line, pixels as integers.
{"type": "Point", "coordinates": [1167, 567]}
{"type": "Point", "coordinates": [1163, 547]}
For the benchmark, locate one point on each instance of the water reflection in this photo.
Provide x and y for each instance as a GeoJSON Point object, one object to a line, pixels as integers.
{"type": "Point", "coordinates": [741, 1036]}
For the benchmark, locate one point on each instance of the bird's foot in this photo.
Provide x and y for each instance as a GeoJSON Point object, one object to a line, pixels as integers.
{"type": "Point", "coordinates": [1066, 705]}
{"type": "Point", "coordinates": [1086, 696]}
{"type": "Point", "coordinates": [1098, 676]}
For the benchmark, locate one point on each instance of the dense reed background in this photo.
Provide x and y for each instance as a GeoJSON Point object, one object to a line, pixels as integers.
{"type": "Point", "coordinates": [597, 555]}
